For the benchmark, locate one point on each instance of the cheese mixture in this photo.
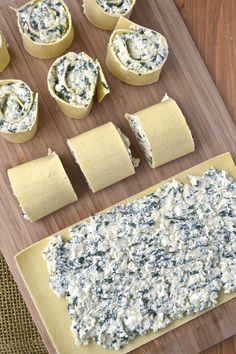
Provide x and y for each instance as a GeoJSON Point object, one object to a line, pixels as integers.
{"type": "Point", "coordinates": [17, 107]}
{"type": "Point", "coordinates": [141, 50]}
{"type": "Point", "coordinates": [115, 7]}
{"type": "Point", "coordinates": [126, 141]}
{"type": "Point", "coordinates": [138, 267]}
{"type": "Point", "coordinates": [74, 78]}
{"type": "Point", "coordinates": [44, 21]}
{"type": "Point", "coordinates": [141, 137]}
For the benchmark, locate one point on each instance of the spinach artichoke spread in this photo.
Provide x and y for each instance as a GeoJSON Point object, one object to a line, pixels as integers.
{"type": "Point", "coordinates": [115, 7]}
{"type": "Point", "coordinates": [138, 267]}
{"type": "Point", "coordinates": [73, 78]}
{"type": "Point", "coordinates": [44, 21]}
{"type": "Point", "coordinates": [18, 107]}
{"type": "Point", "coordinates": [141, 50]}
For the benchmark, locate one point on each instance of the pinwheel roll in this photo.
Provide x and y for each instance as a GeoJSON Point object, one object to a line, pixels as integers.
{"type": "Point", "coordinates": [41, 186]}
{"type": "Point", "coordinates": [136, 54]}
{"type": "Point", "coordinates": [103, 155]}
{"type": "Point", "coordinates": [18, 111]}
{"type": "Point", "coordinates": [162, 132]}
{"type": "Point", "coordinates": [46, 27]}
{"type": "Point", "coordinates": [4, 54]}
{"type": "Point", "coordinates": [105, 13]}
{"type": "Point", "coordinates": [73, 80]}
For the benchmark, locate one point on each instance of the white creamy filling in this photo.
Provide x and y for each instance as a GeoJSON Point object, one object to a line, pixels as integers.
{"type": "Point", "coordinates": [17, 108]}
{"type": "Point", "coordinates": [141, 51]}
{"type": "Point", "coordinates": [126, 142]}
{"type": "Point", "coordinates": [115, 7]}
{"type": "Point", "coordinates": [74, 77]}
{"type": "Point", "coordinates": [141, 137]}
{"type": "Point", "coordinates": [45, 21]}
{"type": "Point", "coordinates": [138, 267]}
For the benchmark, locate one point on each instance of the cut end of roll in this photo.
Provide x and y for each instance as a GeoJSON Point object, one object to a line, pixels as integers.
{"type": "Point", "coordinates": [136, 54]}
{"type": "Point", "coordinates": [162, 132]}
{"type": "Point", "coordinates": [41, 186]}
{"type": "Point", "coordinates": [20, 125]}
{"type": "Point", "coordinates": [100, 15]}
{"type": "Point", "coordinates": [56, 36]}
{"type": "Point", "coordinates": [103, 155]}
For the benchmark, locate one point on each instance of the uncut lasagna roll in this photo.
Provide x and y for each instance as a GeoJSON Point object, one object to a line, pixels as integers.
{"type": "Point", "coordinates": [18, 111]}
{"type": "Point", "coordinates": [4, 54]}
{"type": "Point", "coordinates": [46, 27]}
{"type": "Point", "coordinates": [41, 186]}
{"type": "Point", "coordinates": [162, 132]}
{"type": "Point", "coordinates": [105, 13]}
{"type": "Point", "coordinates": [136, 54]}
{"type": "Point", "coordinates": [73, 80]}
{"type": "Point", "coordinates": [103, 155]}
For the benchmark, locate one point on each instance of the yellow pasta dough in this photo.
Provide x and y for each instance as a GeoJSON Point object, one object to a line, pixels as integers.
{"type": "Point", "coordinates": [162, 132]}
{"type": "Point", "coordinates": [18, 111]}
{"type": "Point", "coordinates": [45, 27]}
{"type": "Point", "coordinates": [55, 317]}
{"type": "Point", "coordinates": [105, 14]}
{"type": "Point", "coordinates": [4, 54]}
{"type": "Point", "coordinates": [103, 155]}
{"type": "Point", "coordinates": [136, 54]}
{"type": "Point", "coordinates": [73, 80]}
{"type": "Point", "coordinates": [41, 186]}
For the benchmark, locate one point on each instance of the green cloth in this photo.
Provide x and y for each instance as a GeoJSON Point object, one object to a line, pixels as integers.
{"type": "Point", "coordinates": [18, 334]}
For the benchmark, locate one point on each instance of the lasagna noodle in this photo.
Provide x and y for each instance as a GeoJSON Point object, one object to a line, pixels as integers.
{"type": "Point", "coordinates": [102, 156]}
{"type": "Point", "coordinates": [135, 54]}
{"type": "Point", "coordinates": [41, 186]}
{"type": "Point", "coordinates": [39, 48]}
{"type": "Point", "coordinates": [36, 277]}
{"type": "Point", "coordinates": [162, 132]}
{"type": "Point", "coordinates": [4, 54]}
{"type": "Point", "coordinates": [100, 18]}
{"type": "Point", "coordinates": [20, 124]}
{"type": "Point", "coordinates": [73, 80]}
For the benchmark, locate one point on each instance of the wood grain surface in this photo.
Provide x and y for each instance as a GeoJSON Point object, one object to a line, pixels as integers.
{"type": "Point", "coordinates": [185, 78]}
{"type": "Point", "coordinates": [212, 26]}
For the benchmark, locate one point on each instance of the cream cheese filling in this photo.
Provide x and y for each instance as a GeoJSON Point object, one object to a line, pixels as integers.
{"type": "Point", "coordinates": [142, 50]}
{"type": "Point", "coordinates": [44, 21]}
{"type": "Point", "coordinates": [115, 7]}
{"type": "Point", "coordinates": [18, 108]}
{"type": "Point", "coordinates": [138, 267]}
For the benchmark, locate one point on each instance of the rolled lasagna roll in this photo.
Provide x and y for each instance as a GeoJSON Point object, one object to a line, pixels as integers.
{"type": "Point", "coordinates": [105, 13]}
{"type": "Point", "coordinates": [136, 54]}
{"type": "Point", "coordinates": [162, 132]}
{"type": "Point", "coordinates": [4, 54]}
{"type": "Point", "coordinates": [103, 155]}
{"type": "Point", "coordinates": [41, 186]}
{"type": "Point", "coordinates": [46, 27]}
{"type": "Point", "coordinates": [73, 80]}
{"type": "Point", "coordinates": [18, 111]}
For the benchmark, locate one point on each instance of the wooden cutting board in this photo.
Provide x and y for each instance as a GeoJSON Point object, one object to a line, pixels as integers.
{"type": "Point", "coordinates": [184, 78]}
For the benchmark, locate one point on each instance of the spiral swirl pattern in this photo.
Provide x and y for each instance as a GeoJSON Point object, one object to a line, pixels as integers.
{"type": "Point", "coordinates": [73, 78]}
{"type": "Point", "coordinates": [141, 50]}
{"type": "Point", "coordinates": [44, 21]}
{"type": "Point", "coordinates": [115, 7]}
{"type": "Point", "coordinates": [18, 107]}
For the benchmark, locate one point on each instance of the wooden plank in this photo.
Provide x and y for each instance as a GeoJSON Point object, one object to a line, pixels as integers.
{"type": "Point", "coordinates": [185, 78]}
